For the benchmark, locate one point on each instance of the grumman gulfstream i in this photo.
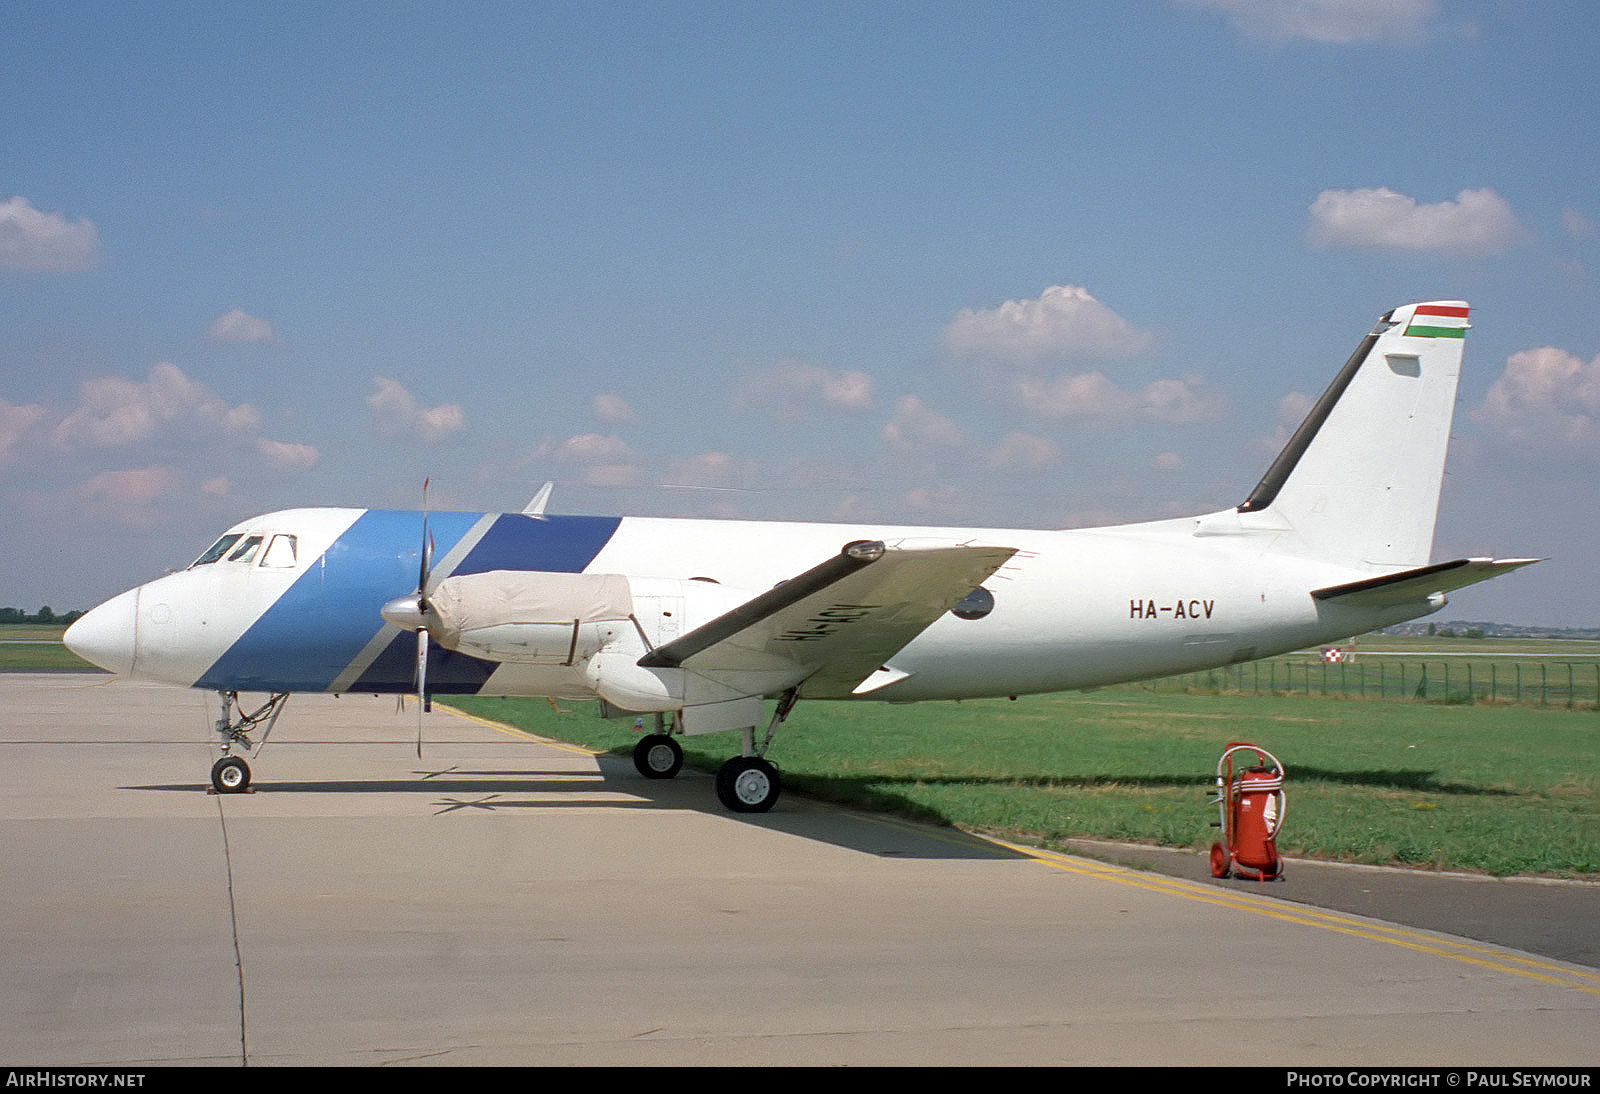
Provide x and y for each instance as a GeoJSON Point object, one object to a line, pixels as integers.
{"type": "Point", "coordinates": [702, 624]}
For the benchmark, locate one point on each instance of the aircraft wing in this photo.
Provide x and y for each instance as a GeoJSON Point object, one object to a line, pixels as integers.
{"type": "Point", "coordinates": [1409, 586]}
{"type": "Point", "coordinates": [837, 623]}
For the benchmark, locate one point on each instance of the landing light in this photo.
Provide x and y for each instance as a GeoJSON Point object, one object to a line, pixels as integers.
{"type": "Point", "coordinates": [865, 550]}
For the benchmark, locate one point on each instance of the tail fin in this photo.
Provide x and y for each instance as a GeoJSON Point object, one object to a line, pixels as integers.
{"type": "Point", "coordinates": [1358, 483]}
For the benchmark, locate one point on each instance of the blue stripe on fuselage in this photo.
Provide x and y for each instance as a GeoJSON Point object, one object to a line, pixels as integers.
{"type": "Point", "coordinates": [318, 627]}
{"type": "Point", "coordinates": [513, 542]}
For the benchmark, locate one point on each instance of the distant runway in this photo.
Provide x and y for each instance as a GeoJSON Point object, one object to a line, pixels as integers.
{"type": "Point", "coordinates": [506, 901]}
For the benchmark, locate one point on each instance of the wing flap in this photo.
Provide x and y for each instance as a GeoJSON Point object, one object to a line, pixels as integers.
{"type": "Point", "coordinates": [836, 623]}
{"type": "Point", "coordinates": [1409, 586]}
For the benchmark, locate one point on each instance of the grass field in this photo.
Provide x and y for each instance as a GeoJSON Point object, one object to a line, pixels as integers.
{"type": "Point", "coordinates": [1547, 672]}
{"type": "Point", "coordinates": [27, 647]}
{"type": "Point", "coordinates": [1493, 788]}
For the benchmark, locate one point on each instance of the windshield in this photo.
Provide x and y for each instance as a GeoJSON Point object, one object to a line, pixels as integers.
{"type": "Point", "coordinates": [280, 551]}
{"type": "Point", "coordinates": [216, 550]}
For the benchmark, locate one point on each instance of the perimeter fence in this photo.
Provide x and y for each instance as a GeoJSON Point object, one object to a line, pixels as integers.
{"type": "Point", "coordinates": [1573, 684]}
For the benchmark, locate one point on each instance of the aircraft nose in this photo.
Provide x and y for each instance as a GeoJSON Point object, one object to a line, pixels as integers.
{"type": "Point", "coordinates": [107, 634]}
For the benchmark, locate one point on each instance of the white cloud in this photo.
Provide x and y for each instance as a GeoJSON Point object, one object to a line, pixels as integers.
{"type": "Point", "coordinates": [14, 422]}
{"type": "Point", "coordinates": [1022, 452]}
{"type": "Point", "coordinates": [706, 471]}
{"type": "Point", "coordinates": [848, 391]}
{"type": "Point", "coordinates": [287, 456]}
{"type": "Point", "coordinates": [1477, 222]}
{"type": "Point", "coordinates": [191, 440]}
{"type": "Point", "coordinates": [936, 502]}
{"type": "Point", "coordinates": [118, 413]}
{"type": "Point", "coordinates": [35, 242]}
{"type": "Point", "coordinates": [795, 388]}
{"type": "Point", "coordinates": [238, 326]}
{"type": "Point", "coordinates": [1091, 395]}
{"type": "Point", "coordinates": [1293, 408]}
{"type": "Point", "coordinates": [127, 497]}
{"type": "Point", "coordinates": [613, 409]}
{"type": "Point", "coordinates": [601, 459]}
{"type": "Point", "coordinates": [1545, 399]}
{"type": "Point", "coordinates": [396, 414]}
{"type": "Point", "coordinates": [1181, 400]}
{"type": "Point", "coordinates": [1065, 321]}
{"type": "Point", "coordinates": [915, 426]}
{"type": "Point", "coordinates": [1575, 224]}
{"type": "Point", "coordinates": [1012, 347]}
{"type": "Point", "coordinates": [1336, 22]}
{"type": "Point", "coordinates": [594, 448]}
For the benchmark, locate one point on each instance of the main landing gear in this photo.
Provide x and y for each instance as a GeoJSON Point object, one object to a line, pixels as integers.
{"type": "Point", "coordinates": [748, 783]}
{"type": "Point", "coordinates": [230, 774]}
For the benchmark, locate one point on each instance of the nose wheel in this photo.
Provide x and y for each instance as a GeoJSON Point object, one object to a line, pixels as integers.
{"type": "Point", "coordinates": [230, 775]}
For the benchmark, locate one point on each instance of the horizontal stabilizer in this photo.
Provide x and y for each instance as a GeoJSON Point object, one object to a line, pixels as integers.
{"type": "Point", "coordinates": [1411, 586]}
{"type": "Point", "coordinates": [839, 621]}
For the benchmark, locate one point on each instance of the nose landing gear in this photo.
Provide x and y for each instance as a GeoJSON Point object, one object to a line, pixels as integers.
{"type": "Point", "coordinates": [230, 774]}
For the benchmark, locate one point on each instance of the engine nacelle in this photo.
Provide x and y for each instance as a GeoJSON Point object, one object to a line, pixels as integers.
{"type": "Point", "coordinates": [600, 623]}
{"type": "Point", "coordinates": [529, 618]}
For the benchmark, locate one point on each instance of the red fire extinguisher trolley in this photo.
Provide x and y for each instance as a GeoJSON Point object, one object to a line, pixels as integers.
{"type": "Point", "coordinates": [1250, 799]}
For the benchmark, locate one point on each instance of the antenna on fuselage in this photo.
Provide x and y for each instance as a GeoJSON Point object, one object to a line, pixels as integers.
{"type": "Point", "coordinates": [535, 508]}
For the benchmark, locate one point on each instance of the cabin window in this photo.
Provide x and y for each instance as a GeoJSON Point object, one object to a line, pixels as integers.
{"type": "Point", "coordinates": [246, 550]}
{"type": "Point", "coordinates": [281, 552]}
{"type": "Point", "coordinates": [217, 550]}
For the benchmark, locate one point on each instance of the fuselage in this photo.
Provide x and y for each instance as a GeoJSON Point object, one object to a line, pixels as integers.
{"type": "Point", "coordinates": [291, 601]}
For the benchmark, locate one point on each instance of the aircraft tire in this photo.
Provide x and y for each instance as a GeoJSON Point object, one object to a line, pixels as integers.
{"type": "Point", "coordinates": [230, 775]}
{"type": "Point", "coordinates": [748, 784]}
{"type": "Point", "coordinates": [658, 756]}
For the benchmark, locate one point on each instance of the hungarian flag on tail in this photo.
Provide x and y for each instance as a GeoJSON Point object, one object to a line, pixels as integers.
{"type": "Point", "coordinates": [1438, 321]}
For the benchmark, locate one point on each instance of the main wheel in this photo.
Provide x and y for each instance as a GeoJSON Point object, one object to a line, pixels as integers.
{"type": "Point", "coordinates": [748, 784]}
{"type": "Point", "coordinates": [658, 756]}
{"type": "Point", "coordinates": [230, 775]}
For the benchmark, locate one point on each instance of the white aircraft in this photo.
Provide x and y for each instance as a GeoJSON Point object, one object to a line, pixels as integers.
{"type": "Point", "coordinates": [700, 623]}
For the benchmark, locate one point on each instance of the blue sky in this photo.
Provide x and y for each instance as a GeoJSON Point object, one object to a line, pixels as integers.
{"type": "Point", "coordinates": [1004, 264]}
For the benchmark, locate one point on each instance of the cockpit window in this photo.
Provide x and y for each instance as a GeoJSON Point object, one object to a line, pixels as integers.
{"type": "Point", "coordinates": [246, 550]}
{"type": "Point", "coordinates": [217, 550]}
{"type": "Point", "coordinates": [280, 552]}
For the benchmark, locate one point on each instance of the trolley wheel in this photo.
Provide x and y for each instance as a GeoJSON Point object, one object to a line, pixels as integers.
{"type": "Point", "coordinates": [230, 775]}
{"type": "Point", "coordinates": [1221, 861]}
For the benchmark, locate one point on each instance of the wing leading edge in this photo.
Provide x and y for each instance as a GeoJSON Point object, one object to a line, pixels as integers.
{"type": "Point", "coordinates": [838, 622]}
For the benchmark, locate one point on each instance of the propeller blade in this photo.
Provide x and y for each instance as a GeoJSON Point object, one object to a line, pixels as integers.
{"type": "Point", "coordinates": [423, 704]}
{"type": "Point", "coordinates": [425, 568]}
